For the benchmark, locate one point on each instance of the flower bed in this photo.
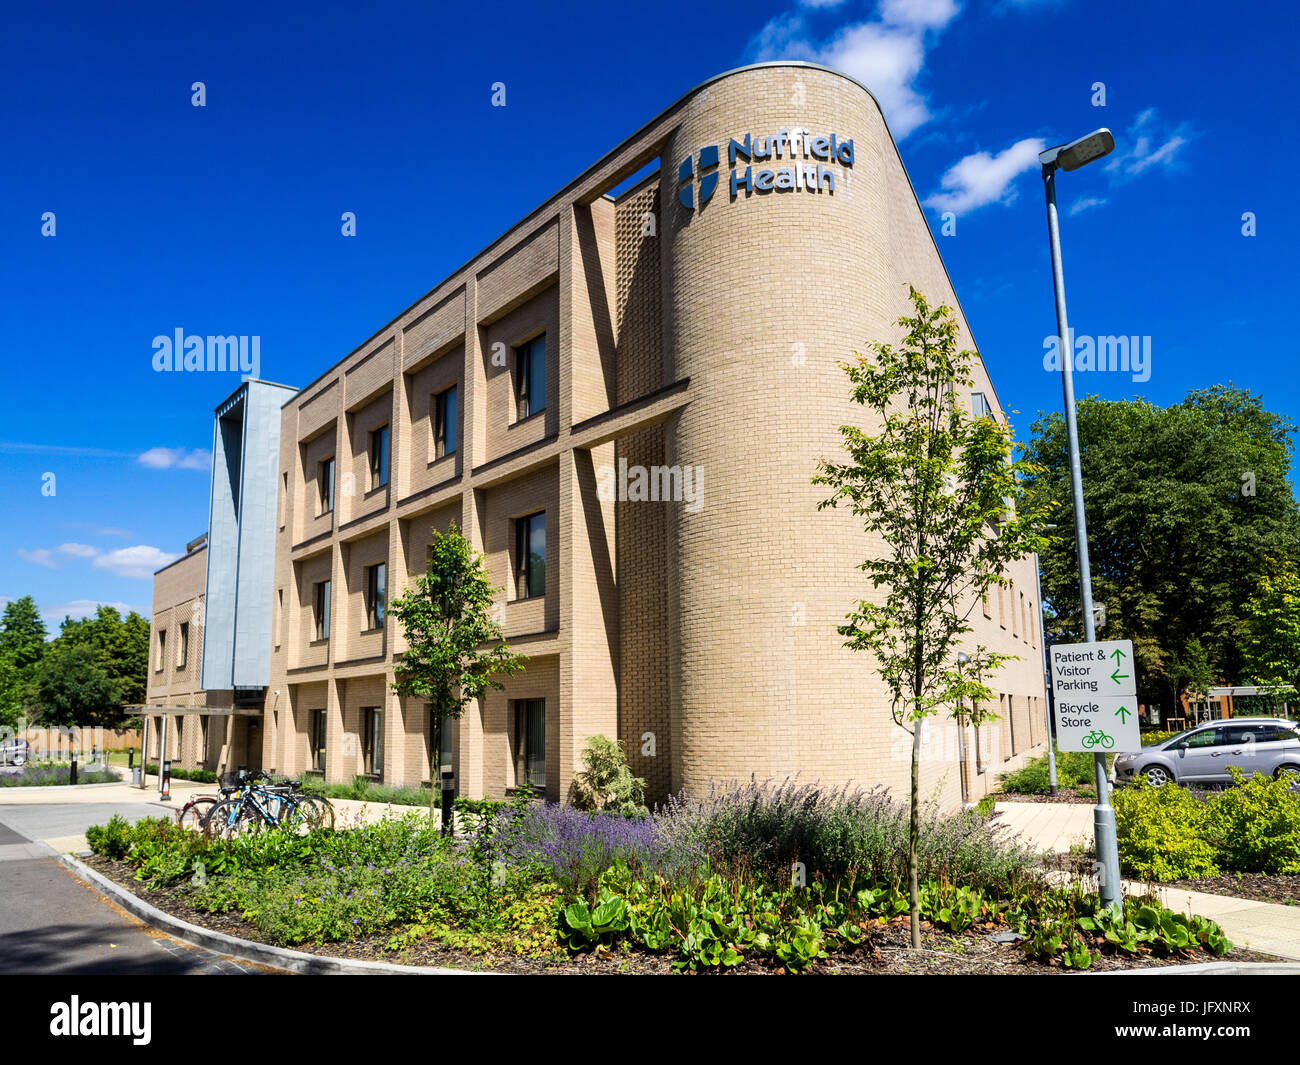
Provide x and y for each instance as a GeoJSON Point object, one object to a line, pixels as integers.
{"type": "Point", "coordinates": [790, 878]}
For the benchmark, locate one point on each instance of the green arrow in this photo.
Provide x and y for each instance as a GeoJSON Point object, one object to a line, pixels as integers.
{"type": "Point", "coordinates": [1122, 713]}
{"type": "Point", "coordinates": [1117, 674]}
{"type": "Point", "coordinates": [1117, 654]}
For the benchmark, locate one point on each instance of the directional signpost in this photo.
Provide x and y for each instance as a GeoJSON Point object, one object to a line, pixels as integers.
{"type": "Point", "coordinates": [1094, 695]}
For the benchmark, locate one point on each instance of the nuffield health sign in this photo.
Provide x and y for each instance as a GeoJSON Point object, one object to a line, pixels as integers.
{"type": "Point", "coordinates": [813, 164]}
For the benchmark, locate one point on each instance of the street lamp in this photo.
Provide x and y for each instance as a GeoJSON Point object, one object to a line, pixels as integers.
{"type": "Point", "coordinates": [1071, 156]}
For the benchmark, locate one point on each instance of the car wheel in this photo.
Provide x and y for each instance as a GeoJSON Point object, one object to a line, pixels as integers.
{"type": "Point", "coordinates": [1288, 772]}
{"type": "Point", "coordinates": [20, 760]}
{"type": "Point", "coordinates": [1158, 776]}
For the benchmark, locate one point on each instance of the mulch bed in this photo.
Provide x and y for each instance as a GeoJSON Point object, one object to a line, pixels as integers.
{"type": "Point", "coordinates": [1262, 887]}
{"type": "Point", "coordinates": [1062, 795]}
{"type": "Point", "coordinates": [887, 953]}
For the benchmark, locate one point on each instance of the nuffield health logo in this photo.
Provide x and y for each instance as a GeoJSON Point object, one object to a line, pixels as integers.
{"type": "Point", "coordinates": [815, 164]}
{"type": "Point", "coordinates": [708, 182]}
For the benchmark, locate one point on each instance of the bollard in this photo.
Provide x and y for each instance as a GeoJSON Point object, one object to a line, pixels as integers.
{"type": "Point", "coordinates": [72, 777]}
{"type": "Point", "coordinates": [166, 782]}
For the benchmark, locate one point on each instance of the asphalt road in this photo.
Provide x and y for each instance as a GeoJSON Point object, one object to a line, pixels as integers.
{"type": "Point", "coordinates": [51, 922]}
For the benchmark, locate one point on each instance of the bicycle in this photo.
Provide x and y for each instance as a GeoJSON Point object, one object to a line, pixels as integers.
{"type": "Point", "coordinates": [258, 804]}
{"type": "Point", "coordinates": [1097, 736]}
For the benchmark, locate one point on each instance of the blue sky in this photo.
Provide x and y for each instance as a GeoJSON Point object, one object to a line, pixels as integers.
{"type": "Point", "coordinates": [225, 219]}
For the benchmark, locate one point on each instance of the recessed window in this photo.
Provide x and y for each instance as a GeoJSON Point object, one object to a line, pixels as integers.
{"type": "Point", "coordinates": [316, 737]}
{"type": "Point", "coordinates": [183, 647]}
{"type": "Point", "coordinates": [278, 623]}
{"type": "Point", "coordinates": [530, 555]}
{"type": "Point", "coordinates": [162, 651]}
{"type": "Point", "coordinates": [445, 423]}
{"type": "Point", "coordinates": [325, 477]}
{"type": "Point", "coordinates": [530, 377]}
{"type": "Point", "coordinates": [322, 610]}
{"type": "Point", "coordinates": [530, 743]}
{"type": "Point", "coordinates": [379, 457]}
{"type": "Point", "coordinates": [980, 406]}
{"type": "Point", "coordinates": [376, 590]}
{"type": "Point", "coordinates": [372, 741]}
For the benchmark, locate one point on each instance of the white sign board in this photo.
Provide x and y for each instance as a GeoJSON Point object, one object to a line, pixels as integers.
{"type": "Point", "coordinates": [1094, 696]}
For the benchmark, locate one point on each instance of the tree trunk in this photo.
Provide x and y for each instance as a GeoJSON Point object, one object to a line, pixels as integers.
{"type": "Point", "coordinates": [913, 837]}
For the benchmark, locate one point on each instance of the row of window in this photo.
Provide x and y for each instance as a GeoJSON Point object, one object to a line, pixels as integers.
{"type": "Point", "coordinates": [530, 578]}
{"type": "Point", "coordinates": [528, 740]}
{"type": "Point", "coordinates": [530, 399]}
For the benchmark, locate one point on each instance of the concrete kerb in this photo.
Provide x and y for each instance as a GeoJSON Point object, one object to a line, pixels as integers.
{"type": "Point", "coordinates": [294, 961]}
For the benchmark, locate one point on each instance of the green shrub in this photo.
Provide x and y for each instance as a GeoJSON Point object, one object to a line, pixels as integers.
{"type": "Point", "coordinates": [112, 840]}
{"type": "Point", "coordinates": [200, 776]}
{"type": "Point", "coordinates": [1256, 824]}
{"type": "Point", "coordinates": [1163, 833]}
{"type": "Point", "coordinates": [1074, 769]}
{"type": "Point", "coordinates": [607, 782]}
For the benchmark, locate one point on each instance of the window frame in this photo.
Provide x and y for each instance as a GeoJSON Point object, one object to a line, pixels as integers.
{"type": "Point", "coordinates": [526, 759]}
{"type": "Point", "coordinates": [183, 646]}
{"type": "Point", "coordinates": [162, 651]}
{"type": "Point", "coordinates": [372, 741]}
{"type": "Point", "coordinates": [523, 536]}
{"type": "Point", "coordinates": [322, 609]}
{"type": "Point", "coordinates": [376, 595]}
{"type": "Point", "coordinates": [380, 455]}
{"type": "Point", "coordinates": [317, 739]}
{"type": "Point", "coordinates": [445, 437]}
{"type": "Point", "coordinates": [325, 486]}
{"type": "Point", "coordinates": [526, 365]}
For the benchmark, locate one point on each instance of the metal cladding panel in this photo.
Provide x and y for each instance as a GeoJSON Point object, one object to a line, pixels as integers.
{"type": "Point", "coordinates": [255, 570]}
{"type": "Point", "coordinates": [241, 538]}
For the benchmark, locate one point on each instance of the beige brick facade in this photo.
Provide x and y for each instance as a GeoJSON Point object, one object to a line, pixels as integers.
{"type": "Point", "coordinates": [703, 634]}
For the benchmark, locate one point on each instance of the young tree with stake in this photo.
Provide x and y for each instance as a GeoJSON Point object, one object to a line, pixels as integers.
{"type": "Point", "coordinates": [454, 648]}
{"type": "Point", "coordinates": [943, 491]}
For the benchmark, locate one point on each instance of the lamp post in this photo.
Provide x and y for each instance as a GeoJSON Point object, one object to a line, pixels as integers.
{"type": "Point", "coordinates": [1071, 156]}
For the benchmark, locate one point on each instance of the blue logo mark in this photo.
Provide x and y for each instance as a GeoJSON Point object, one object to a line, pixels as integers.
{"type": "Point", "coordinates": [708, 182]}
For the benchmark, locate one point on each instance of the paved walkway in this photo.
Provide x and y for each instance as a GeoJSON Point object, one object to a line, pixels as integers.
{"type": "Point", "coordinates": [1268, 927]}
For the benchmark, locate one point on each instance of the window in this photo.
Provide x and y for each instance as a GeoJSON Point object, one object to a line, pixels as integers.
{"type": "Point", "coordinates": [183, 647]}
{"type": "Point", "coordinates": [376, 587]}
{"type": "Point", "coordinates": [372, 741]}
{"type": "Point", "coordinates": [317, 738]}
{"type": "Point", "coordinates": [379, 457]}
{"type": "Point", "coordinates": [445, 423]}
{"type": "Point", "coordinates": [1210, 737]}
{"type": "Point", "coordinates": [325, 476]}
{"type": "Point", "coordinates": [530, 377]}
{"type": "Point", "coordinates": [284, 497]}
{"type": "Point", "coordinates": [162, 651]}
{"type": "Point", "coordinates": [279, 616]}
{"type": "Point", "coordinates": [203, 738]}
{"type": "Point", "coordinates": [530, 743]}
{"type": "Point", "coordinates": [530, 555]}
{"type": "Point", "coordinates": [1015, 618]}
{"type": "Point", "coordinates": [323, 610]}
{"type": "Point", "coordinates": [980, 406]}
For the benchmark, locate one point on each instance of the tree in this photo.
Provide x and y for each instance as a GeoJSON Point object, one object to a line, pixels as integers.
{"type": "Point", "coordinates": [446, 620]}
{"type": "Point", "coordinates": [22, 645]}
{"type": "Point", "coordinates": [1184, 504]}
{"type": "Point", "coordinates": [1272, 651]}
{"type": "Point", "coordinates": [120, 646]}
{"type": "Point", "coordinates": [940, 488]}
{"type": "Point", "coordinates": [72, 688]}
{"type": "Point", "coordinates": [22, 633]}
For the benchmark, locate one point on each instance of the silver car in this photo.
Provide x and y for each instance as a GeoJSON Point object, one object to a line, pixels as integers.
{"type": "Point", "coordinates": [1202, 755]}
{"type": "Point", "coordinates": [15, 752]}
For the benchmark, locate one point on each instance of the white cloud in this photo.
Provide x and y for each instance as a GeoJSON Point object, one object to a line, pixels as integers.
{"type": "Point", "coordinates": [981, 179]}
{"type": "Point", "coordinates": [167, 458]}
{"type": "Point", "coordinates": [886, 54]}
{"type": "Point", "coordinates": [41, 556]}
{"type": "Point", "coordinates": [1149, 142]}
{"type": "Point", "coordinates": [140, 561]}
{"type": "Point", "coordinates": [82, 608]}
{"type": "Point", "coordinates": [1085, 204]}
{"type": "Point", "coordinates": [79, 550]}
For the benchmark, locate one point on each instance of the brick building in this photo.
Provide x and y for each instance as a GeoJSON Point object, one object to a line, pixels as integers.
{"type": "Point", "coordinates": [621, 402]}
